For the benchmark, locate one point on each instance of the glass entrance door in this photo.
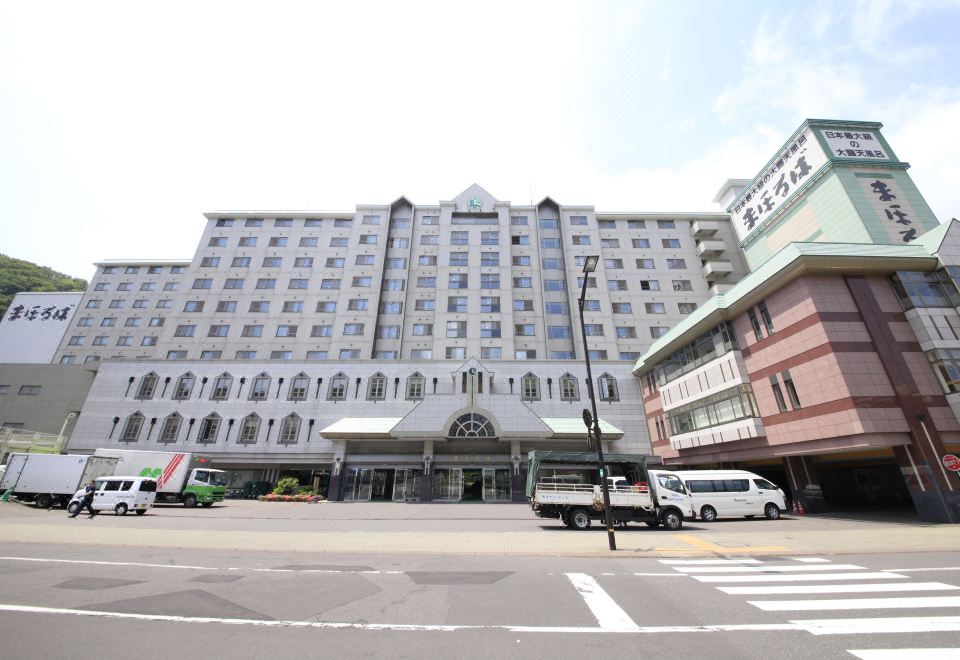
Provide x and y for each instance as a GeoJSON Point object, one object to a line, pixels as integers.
{"type": "Point", "coordinates": [496, 485]}
{"type": "Point", "coordinates": [406, 486]}
{"type": "Point", "coordinates": [447, 484]}
{"type": "Point", "coordinates": [358, 486]}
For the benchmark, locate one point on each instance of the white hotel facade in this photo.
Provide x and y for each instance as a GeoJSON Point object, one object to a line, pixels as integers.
{"type": "Point", "coordinates": [397, 351]}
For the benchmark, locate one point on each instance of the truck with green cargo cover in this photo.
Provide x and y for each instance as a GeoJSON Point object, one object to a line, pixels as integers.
{"type": "Point", "coordinates": [181, 476]}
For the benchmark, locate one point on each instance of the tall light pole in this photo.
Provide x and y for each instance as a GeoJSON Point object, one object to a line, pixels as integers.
{"type": "Point", "coordinates": [589, 266]}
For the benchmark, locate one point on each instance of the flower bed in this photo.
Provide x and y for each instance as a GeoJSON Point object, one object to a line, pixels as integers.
{"type": "Point", "coordinates": [270, 497]}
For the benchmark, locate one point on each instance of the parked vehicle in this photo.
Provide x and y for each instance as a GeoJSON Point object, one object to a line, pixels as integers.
{"type": "Point", "coordinates": [729, 493]}
{"type": "Point", "coordinates": [48, 479]}
{"type": "Point", "coordinates": [119, 494]}
{"type": "Point", "coordinates": [181, 477]}
{"type": "Point", "coordinates": [637, 494]}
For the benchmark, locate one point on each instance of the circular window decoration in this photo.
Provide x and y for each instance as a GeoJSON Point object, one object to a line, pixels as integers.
{"type": "Point", "coordinates": [472, 425]}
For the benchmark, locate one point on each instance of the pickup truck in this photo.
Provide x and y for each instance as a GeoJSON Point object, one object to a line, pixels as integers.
{"type": "Point", "coordinates": [637, 494]}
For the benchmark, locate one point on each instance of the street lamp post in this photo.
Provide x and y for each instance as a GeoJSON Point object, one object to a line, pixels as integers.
{"type": "Point", "coordinates": [589, 266]}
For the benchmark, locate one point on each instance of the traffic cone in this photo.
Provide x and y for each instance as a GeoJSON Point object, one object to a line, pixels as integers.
{"type": "Point", "coordinates": [6, 496]}
{"type": "Point", "coordinates": [800, 510]}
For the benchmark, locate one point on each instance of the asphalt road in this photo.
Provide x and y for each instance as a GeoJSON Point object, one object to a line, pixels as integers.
{"type": "Point", "coordinates": [106, 601]}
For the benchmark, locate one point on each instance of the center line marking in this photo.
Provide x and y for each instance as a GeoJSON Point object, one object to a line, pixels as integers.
{"type": "Point", "coordinates": [605, 609]}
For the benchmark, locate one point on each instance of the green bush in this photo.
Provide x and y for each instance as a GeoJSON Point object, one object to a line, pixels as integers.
{"type": "Point", "coordinates": [286, 486]}
{"type": "Point", "coordinates": [304, 490]}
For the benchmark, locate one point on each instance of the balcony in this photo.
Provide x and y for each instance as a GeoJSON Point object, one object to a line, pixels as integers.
{"type": "Point", "coordinates": [716, 270]}
{"type": "Point", "coordinates": [707, 249]}
{"type": "Point", "coordinates": [705, 228]}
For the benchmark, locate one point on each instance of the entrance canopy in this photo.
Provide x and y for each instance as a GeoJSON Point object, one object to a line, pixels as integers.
{"type": "Point", "coordinates": [361, 427]}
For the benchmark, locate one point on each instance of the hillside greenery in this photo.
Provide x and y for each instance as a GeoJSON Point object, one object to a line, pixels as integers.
{"type": "Point", "coordinates": [17, 275]}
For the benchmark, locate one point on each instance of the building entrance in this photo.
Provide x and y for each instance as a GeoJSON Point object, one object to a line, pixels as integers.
{"type": "Point", "coordinates": [471, 485]}
{"type": "Point", "coordinates": [381, 485]}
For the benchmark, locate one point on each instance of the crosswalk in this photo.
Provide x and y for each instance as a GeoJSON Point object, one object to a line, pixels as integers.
{"type": "Point", "coordinates": [924, 606]}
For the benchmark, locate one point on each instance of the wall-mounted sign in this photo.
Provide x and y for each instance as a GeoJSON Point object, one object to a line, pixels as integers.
{"type": "Point", "coordinates": [475, 204]}
{"type": "Point", "coordinates": [951, 462]}
{"type": "Point", "coordinates": [34, 325]}
{"type": "Point", "coordinates": [860, 145]}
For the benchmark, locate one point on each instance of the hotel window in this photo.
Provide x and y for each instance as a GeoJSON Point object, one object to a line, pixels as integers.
{"type": "Point", "coordinates": [289, 430]}
{"type": "Point", "coordinates": [606, 242]}
{"type": "Point", "coordinates": [178, 270]}
{"type": "Point", "coordinates": [613, 264]}
{"type": "Point", "coordinates": [298, 283]}
{"type": "Point", "coordinates": [430, 220]}
{"type": "Point", "coordinates": [520, 239]}
{"type": "Point", "coordinates": [221, 388]}
{"type": "Point", "coordinates": [246, 355]}
{"type": "Point", "coordinates": [398, 242]}
{"type": "Point", "coordinates": [102, 286]}
{"type": "Point", "coordinates": [293, 306]}
{"type": "Point", "coordinates": [76, 340]}
{"type": "Point", "coordinates": [519, 220]}
{"type": "Point", "coordinates": [110, 270]}
{"type": "Point", "coordinates": [530, 388]}
{"type": "Point", "coordinates": [117, 304]}
{"type": "Point", "coordinates": [339, 241]}
{"type": "Point", "coordinates": [591, 282]}
{"type": "Point", "coordinates": [649, 285]}
{"type": "Point", "coordinates": [491, 353]}
{"type": "Point", "coordinates": [457, 304]}
{"type": "Point", "coordinates": [459, 238]}
{"type": "Point", "coordinates": [86, 321]}
{"type": "Point", "coordinates": [206, 262]}
{"type": "Point", "coordinates": [278, 241]}
{"type": "Point", "coordinates": [131, 428]}
{"type": "Point", "coordinates": [377, 387]}
{"type": "Point", "coordinates": [606, 224]}
{"type": "Point", "coordinates": [414, 387]}
{"type": "Point", "coordinates": [391, 307]}
{"type": "Point", "coordinates": [209, 427]}
{"type": "Point", "coordinates": [337, 262]}
{"type": "Point", "coordinates": [349, 353]}
{"type": "Point", "coordinates": [430, 239]}
{"type": "Point", "coordinates": [676, 264]}
{"type": "Point", "coordinates": [489, 238]}
{"type": "Point", "coordinates": [657, 331]}
{"type": "Point", "coordinates": [655, 308]}
{"type": "Point", "coordinates": [558, 331]}
{"type": "Point", "coordinates": [591, 305]}
{"type": "Point", "coordinates": [308, 241]}
{"type": "Point", "coordinates": [170, 428]}
{"type": "Point", "coordinates": [240, 262]}
{"type": "Point", "coordinates": [233, 283]}
{"type": "Point", "coordinates": [626, 332]}
{"type": "Point", "coordinates": [456, 259]}
{"type": "Point", "coordinates": [427, 282]}
{"type": "Point", "coordinates": [249, 430]}
{"type": "Point", "coordinates": [791, 389]}
{"type": "Point", "coordinates": [125, 341]}
{"type": "Point", "coordinates": [218, 241]}
{"type": "Point", "coordinates": [260, 306]}
{"type": "Point", "coordinates": [210, 355]}
{"type": "Point", "coordinates": [140, 303]}
{"type": "Point", "coordinates": [286, 331]}
{"type": "Point", "coordinates": [554, 285]}
{"type": "Point", "coordinates": [489, 304]}
{"type": "Point", "coordinates": [388, 331]}
{"type": "Point", "coordinates": [666, 224]}
{"type": "Point", "coordinates": [641, 243]}
{"type": "Point", "coordinates": [299, 386]}
{"type": "Point", "coordinates": [358, 304]}
{"type": "Point", "coordinates": [330, 283]}
{"type": "Point", "coordinates": [316, 355]}
{"type": "Point", "coordinates": [458, 281]}
{"type": "Point", "coordinates": [425, 305]}
{"type": "Point", "coordinates": [456, 353]}
{"type": "Point", "coordinates": [266, 283]}
{"type": "Point", "coordinates": [252, 331]}
{"type": "Point", "coordinates": [361, 260]}
{"type": "Point", "coordinates": [218, 331]}
{"type": "Point", "coordinates": [456, 329]}
{"type": "Point", "coordinates": [283, 222]}
{"type": "Point", "coordinates": [321, 331]}
{"type": "Point", "coordinates": [184, 387]}
{"type": "Point", "coordinates": [521, 260]}
{"type": "Point", "coordinates": [343, 222]}
{"type": "Point", "coordinates": [555, 307]}
{"type": "Point", "coordinates": [765, 315]}
{"type": "Point", "coordinates": [593, 329]}
{"type": "Point", "coordinates": [525, 354]}
{"type": "Point", "coordinates": [522, 282]}
{"type": "Point", "coordinates": [338, 388]}
{"type": "Point", "coordinates": [371, 220]}
{"type": "Point", "coordinates": [247, 241]}
{"type": "Point", "coordinates": [582, 239]}
{"type": "Point", "coordinates": [148, 286]}
{"type": "Point", "coordinates": [394, 284]}
{"type": "Point", "coordinates": [93, 304]}
{"type": "Point", "coordinates": [260, 388]}
{"type": "Point", "coordinates": [778, 394]}
{"type": "Point", "coordinates": [253, 222]}
{"type": "Point", "coordinates": [616, 285]}
{"type": "Point", "coordinates": [312, 222]}
{"type": "Point", "coordinates": [149, 341]}
{"type": "Point", "coordinates": [489, 281]}
{"type": "Point", "coordinates": [421, 354]}
{"type": "Point", "coordinates": [608, 387]}
{"type": "Point", "coordinates": [431, 259]}
{"type": "Point", "coordinates": [686, 307]}
{"type": "Point", "coordinates": [569, 389]}
{"type": "Point", "coordinates": [682, 285]}
{"type": "Point", "coordinates": [553, 243]}
{"type": "Point", "coordinates": [549, 223]}
{"type": "Point", "coordinates": [184, 330]}
{"type": "Point", "coordinates": [353, 329]}
{"type": "Point", "coordinates": [362, 281]}
{"type": "Point", "coordinates": [422, 329]}
{"type": "Point", "coordinates": [368, 239]}
{"type": "Point", "coordinates": [490, 329]}
{"type": "Point", "coordinates": [303, 262]}
{"type": "Point", "coordinates": [524, 330]}
{"type": "Point", "coordinates": [755, 324]}
{"type": "Point", "coordinates": [578, 219]}
{"type": "Point", "coordinates": [946, 364]}
{"type": "Point", "coordinates": [326, 307]}
{"type": "Point", "coordinates": [523, 305]}
{"type": "Point", "coordinates": [670, 243]}
{"type": "Point", "coordinates": [124, 286]}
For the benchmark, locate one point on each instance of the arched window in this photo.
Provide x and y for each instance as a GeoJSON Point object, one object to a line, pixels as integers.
{"type": "Point", "coordinates": [209, 427]}
{"type": "Point", "coordinates": [472, 425]}
{"type": "Point", "coordinates": [569, 388]}
{"type": "Point", "coordinates": [260, 387]}
{"type": "Point", "coordinates": [530, 388]}
{"type": "Point", "coordinates": [299, 387]}
{"type": "Point", "coordinates": [377, 387]}
{"type": "Point", "coordinates": [131, 428]}
{"type": "Point", "coordinates": [170, 429]}
{"type": "Point", "coordinates": [415, 386]}
{"type": "Point", "coordinates": [338, 388]}
{"type": "Point", "coordinates": [184, 387]}
{"type": "Point", "coordinates": [608, 388]}
{"type": "Point", "coordinates": [221, 387]}
{"type": "Point", "coordinates": [249, 430]}
{"type": "Point", "coordinates": [289, 430]}
{"type": "Point", "coordinates": [148, 385]}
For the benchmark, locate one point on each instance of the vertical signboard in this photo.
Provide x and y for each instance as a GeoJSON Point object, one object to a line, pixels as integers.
{"type": "Point", "coordinates": [33, 326]}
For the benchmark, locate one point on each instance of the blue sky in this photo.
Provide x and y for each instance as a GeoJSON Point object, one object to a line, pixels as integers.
{"type": "Point", "coordinates": [121, 123]}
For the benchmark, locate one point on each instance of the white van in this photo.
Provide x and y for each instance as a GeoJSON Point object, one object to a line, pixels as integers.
{"type": "Point", "coordinates": [119, 494]}
{"type": "Point", "coordinates": [726, 493]}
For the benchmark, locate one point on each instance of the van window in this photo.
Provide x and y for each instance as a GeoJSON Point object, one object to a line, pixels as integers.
{"type": "Point", "coordinates": [127, 485]}
{"type": "Point", "coordinates": [701, 486]}
{"type": "Point", "coordinates": [111, 485]}
{"type": "Point", "coordinates": [736, 485]}
{"type": "Point", "coordinates": [148, 486]}
{"type": "Point", "coordinates": [763, 484]}
{"type": "Point", "coordinates": [671, 482]}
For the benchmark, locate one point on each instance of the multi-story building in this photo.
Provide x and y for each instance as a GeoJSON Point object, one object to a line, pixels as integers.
{"type": "Point", "coordinates": [400, 351]}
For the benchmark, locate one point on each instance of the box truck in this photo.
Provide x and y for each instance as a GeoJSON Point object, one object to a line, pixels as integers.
{"type": "Point", "coordinates": [48, 479]}
{"type": "Point", "coordinates": [181, 476]}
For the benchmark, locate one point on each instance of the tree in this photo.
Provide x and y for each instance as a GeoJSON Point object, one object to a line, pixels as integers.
{"type": "Point", "coordinates": [17, 275]}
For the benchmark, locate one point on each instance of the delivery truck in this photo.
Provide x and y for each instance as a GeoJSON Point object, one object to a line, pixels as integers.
{"type": "Point", "coordinates": [181, 476]}
{"type": "Point", "coordinates": [566, 485]}
{"type": "Point", "coordinates": [49, 479]}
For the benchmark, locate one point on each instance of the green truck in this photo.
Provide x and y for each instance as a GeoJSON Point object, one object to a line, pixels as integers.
{"type": "Point", "coordinates": [181, 476]}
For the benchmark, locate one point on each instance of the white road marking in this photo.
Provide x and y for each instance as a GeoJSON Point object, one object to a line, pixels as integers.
{"type": "Point", "coordinates": [920, 570]}
{"type": "Point", "coordinates": [604, 608]}
{"type": "Point", "coordinates": [780, 568]}
{"type": "Point", "coordinates": [913, 624]}
{"type": "Point", "coordinates": [912, 654]}
{"type": "Point", "coordinates": [694, 562]}
{"type": "Point", "coordinates": [655, 630]}
{"type": "Point", "coordinates": [806, 577]}
{"type": "Point", "coordinates": [198, 568]}
{"type": "Point", "coordinates": [660, 574]}
{"type": "Point", "coordinates": [839, 588]}
{"type": "Point", "coordinates": [811, 560]}
{"type": "Point", "coordinates": [857, 603]}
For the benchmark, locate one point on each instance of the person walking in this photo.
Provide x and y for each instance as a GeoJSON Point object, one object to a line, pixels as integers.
{"type": "Point", "coordinates": [87, 500]}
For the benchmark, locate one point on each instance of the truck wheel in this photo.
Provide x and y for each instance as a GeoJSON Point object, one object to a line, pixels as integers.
{"type": "Point", "coordinates": [73, 508]}
{"type": "Point", "coordinates": [672, 519]}
{"type": "Point", "coordinates": [120, 509]}
{"type": "Point", "coordinates": [190, 501]}
{"type": "Point", "coordinates": [708, 514]}
{"type": "Point", "coordinates": [44, 501]}
{"type": "Point", "coordinates": [580, 519]}
{"type": "Point", "coordinates": [140, 512]}
{"type": "Point", "coordinates": [772, 511]}
{"type": "Point", "coordinates": [206, 504]}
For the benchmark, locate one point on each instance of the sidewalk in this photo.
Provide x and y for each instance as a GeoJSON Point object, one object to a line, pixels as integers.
{"type": "Point", "coordinates": [463, 529]}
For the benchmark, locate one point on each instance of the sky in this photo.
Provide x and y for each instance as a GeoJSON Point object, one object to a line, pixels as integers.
{"type": "Point", "coordinates": [122, 123]}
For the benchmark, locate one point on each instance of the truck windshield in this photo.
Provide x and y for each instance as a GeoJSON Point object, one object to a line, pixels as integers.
{"type": "Point", "coordinates": [217, 478]}
{"type": "Point", "coordinates": [671, 482]}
